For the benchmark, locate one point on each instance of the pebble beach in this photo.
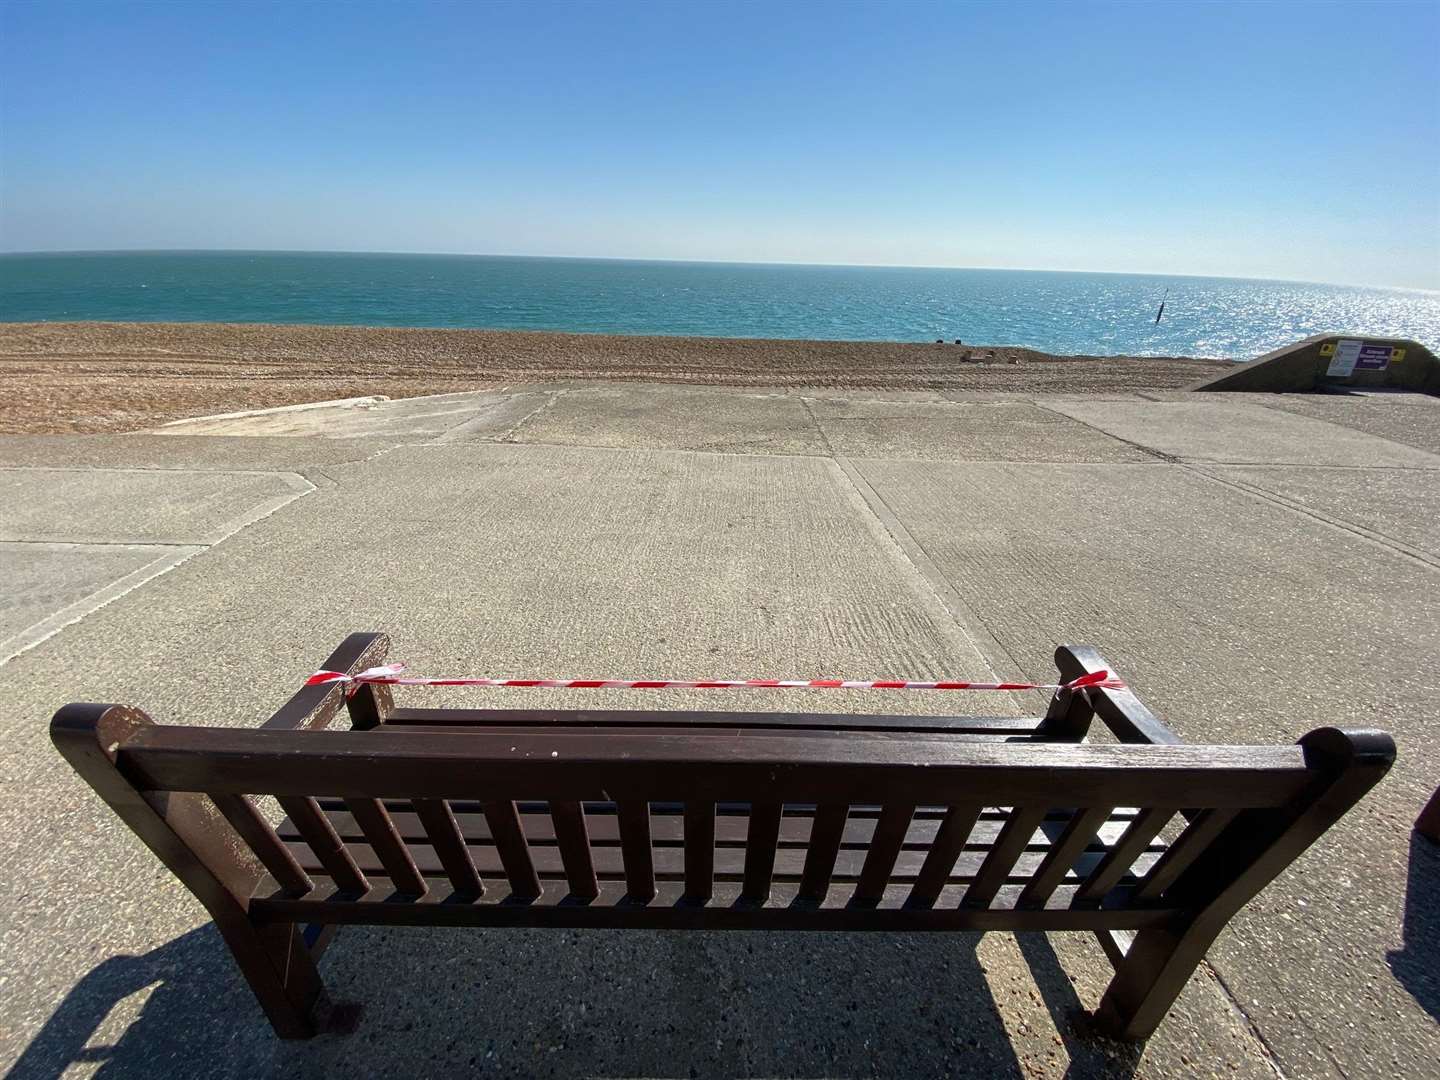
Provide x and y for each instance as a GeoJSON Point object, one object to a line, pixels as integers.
{"type": "Point", "coordinates": [119, 377]}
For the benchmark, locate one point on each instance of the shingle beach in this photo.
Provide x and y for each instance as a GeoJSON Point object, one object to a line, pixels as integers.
{"type": "Point", "coordinates": [116, 377]}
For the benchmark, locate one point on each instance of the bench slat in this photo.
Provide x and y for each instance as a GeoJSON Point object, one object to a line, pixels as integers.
{"type": "Point", "coordinates": [331, 852]}
{"type": "Point", "coordinates": [519, 719]}
{"type": "Point", "coordinates": [246, 820]}
{"type": "Point", "coordinates": [1079, 834]}
{"type": "Point", "coordinates": [1012, 841]}
{"type": "Point", "coordinates": [394, 856]}
{"type": "Point", "coordinates": [678, 730]}
{"type": "Point", "coordinates": [825, 837]}
{"type": "Point", "coordinates": [514, 852]}
{"type": "Point", "coordinates": [635, 848]}
{"type": "Point", "coordinates": [890, 830]}
{"type": "Point", "coordinates": [949, 842]}
{"type": "Point", "coordinates": [699, 850]}
{"type": "Point", "coordinates": [1123, 855]}
{"type": "Point", "coordinates": [595, 766]}
{"type": "Point", "coordinates": [574, 843]}
{"type": "Point", "coordinates": [1188, 846]}
{"type": "Point", "coordinates": [439, 826]}
{"type": "Point", "coordinates": [760, 842]}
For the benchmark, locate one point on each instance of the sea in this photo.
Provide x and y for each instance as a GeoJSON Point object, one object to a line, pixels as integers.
{"type": "Point", "coordinates": [1053, 311]}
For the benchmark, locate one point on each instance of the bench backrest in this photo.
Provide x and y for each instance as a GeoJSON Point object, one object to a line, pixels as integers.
{"type": "Point", "coordinates": [730, 829]}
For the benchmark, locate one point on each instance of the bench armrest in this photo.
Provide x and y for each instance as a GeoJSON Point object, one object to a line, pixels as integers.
{"type": "Point", "coordinates": [1123, 713]}
{"type": "Point", "coordinates": [316, 706]}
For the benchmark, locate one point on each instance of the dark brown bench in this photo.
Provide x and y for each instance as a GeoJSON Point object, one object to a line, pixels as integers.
{"type": "Point", "coordinates": [712, 820]}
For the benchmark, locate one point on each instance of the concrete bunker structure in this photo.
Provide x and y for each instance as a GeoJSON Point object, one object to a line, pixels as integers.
{"type": "Point", "coordinates": [1335, 363]}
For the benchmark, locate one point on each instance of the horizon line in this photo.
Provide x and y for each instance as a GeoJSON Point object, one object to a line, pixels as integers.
{"type": "Point", "coordinates": [703, 262]}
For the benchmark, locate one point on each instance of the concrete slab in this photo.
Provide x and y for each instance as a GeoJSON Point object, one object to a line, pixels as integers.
{"type": "Point", "coordinates": [484, 412]}
{"type": "Point", "coordinates": [196, 453]}
{"type": "Point", "coordinates": [676, 418]}
{"type": "Point", "coordinates": [523, 558]}
{"type": "Point", "coordinates": [1240, 620]}
{"type": "Point", "coordinates": [852, 394]}
{"type": "Point", "coordinates": [137, 506]}
{"type": "Point", "coordinates": [975, 431]}
{"type": "Point", "coordinates": [1398, 505]}
{"type": "Point", "coordinates": [980, 397]}
{"type": "Point", "coordinates": [496, 418]}
{"type": "Point", "coordinates": [362, 401]}
{"type": "Point", "coordinates": [1225, 432]}
{"type": "Point", "coordinates": [528, 558]}
{"type": "Point", "coordinates": [1412, 419]}
{"type": "Point", "coordinates": [1396, 415]}
{"type": "Point", "coordinates": [42, 580]}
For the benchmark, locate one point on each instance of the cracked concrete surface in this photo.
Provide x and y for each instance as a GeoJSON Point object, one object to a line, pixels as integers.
{"type": "Point", "coordinates": [574, 528]}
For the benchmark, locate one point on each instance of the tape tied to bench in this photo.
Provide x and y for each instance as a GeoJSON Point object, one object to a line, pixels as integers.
{"type": "Point", "coordinates": [394, 675]}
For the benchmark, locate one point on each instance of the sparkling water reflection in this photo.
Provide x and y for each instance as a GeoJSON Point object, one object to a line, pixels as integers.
{"type": "Point", "coordinates": [1105, 314]}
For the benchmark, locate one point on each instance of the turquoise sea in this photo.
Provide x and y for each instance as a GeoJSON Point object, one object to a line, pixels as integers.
{"type": "Point", "coordinates": [1060, 312]}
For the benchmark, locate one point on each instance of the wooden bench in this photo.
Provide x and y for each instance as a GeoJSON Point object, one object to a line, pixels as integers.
{"type": "Point", "coordinates": [713, 820]}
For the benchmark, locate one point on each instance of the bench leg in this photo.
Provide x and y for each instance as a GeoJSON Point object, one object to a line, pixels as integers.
{"type": "Point", "coordinates": [281, 972]}
{"type": "Point", "coordinates": [1148, 980]}
{"type": "Point", "coordinates": [188, 833]}
{"type": "Point", "coordinates": [1246, 857]}
{"type": "Point", "coordinates": [1428, 823]}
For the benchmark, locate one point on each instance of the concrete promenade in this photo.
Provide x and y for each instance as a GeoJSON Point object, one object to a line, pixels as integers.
{"type": "Point", "coordinates": [1255, 565]}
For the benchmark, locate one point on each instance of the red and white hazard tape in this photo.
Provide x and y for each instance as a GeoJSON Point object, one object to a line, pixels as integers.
{"type": "Point", "coordinates": [392, 675]}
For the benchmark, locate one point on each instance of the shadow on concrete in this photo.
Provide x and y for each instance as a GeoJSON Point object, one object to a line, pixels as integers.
{"type": "Point", "coordinates": [1417, 965]}
{"type": "Point", "coordinates": [592, 1003]}
{"type": "Point", "coordinates": [1089, 1053]}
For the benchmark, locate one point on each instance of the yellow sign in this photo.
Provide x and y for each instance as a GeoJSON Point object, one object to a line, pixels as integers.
{"type": "Point", "coordinates": [1328, 349]}
{"type": "Point", "coordinates": [1397, 354]}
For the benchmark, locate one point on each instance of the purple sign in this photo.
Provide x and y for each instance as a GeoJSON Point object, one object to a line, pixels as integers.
{"type": "Point", "coordinates": [1373, 358]}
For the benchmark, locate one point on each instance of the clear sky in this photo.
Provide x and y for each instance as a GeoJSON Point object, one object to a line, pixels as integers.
{"type": "Point", "coordinates": [1290, 140]}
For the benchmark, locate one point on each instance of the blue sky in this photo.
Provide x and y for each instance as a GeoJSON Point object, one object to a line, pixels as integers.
{"type": "Point", "coordinates": [1254, 139]}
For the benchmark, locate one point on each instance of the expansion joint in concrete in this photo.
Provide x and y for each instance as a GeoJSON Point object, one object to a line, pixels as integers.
{"type": "Point", "coordinates": [132, 542]}
{"type": "Point", "coordinates": [1149, 451]}
{"type": "Point", "coordinates": [1267, 1052]}
{"type": "Point", "coordinates": [974, 629]}
{"type": "Point", "coordinates": [820, 431]}
{"type": "Point", "coordinates": [551, 398]}
{"type": "Point", "coordinates": [172, 554]}
{"type": "Point", "coordinates": [34, 634]}
{"type": "Point", "coordinates": [1379, 539]}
